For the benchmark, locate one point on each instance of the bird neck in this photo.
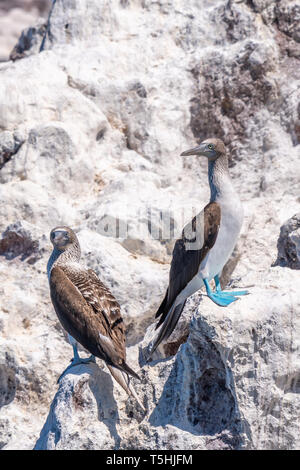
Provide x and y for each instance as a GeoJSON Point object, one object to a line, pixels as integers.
{"type": "Point", "coordinates": [218, 178]}
{"type": "Point", "coordinates": [71, 254]}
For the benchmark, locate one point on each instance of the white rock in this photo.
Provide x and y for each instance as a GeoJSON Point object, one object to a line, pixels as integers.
{"type": "Point", "coordinates": [230, 385]}
{"type": "Point", "coordinates": [103, 113]}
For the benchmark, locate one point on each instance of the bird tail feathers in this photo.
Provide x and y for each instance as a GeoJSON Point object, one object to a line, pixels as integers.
{"type": "Point", "coordinates": [129, 371]}
{"type": "Point", "coordinates": [167, 327]}
{"type": "Point", "coordinates": [123, 379]}
{"type": "Point", "coordinates": [162, 306]}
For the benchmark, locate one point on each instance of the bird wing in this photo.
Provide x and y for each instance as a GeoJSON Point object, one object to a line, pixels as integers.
{"type": "Point", "coordinates": [198, 237]}
{"type": "Point", "coordinates": [89, 313]}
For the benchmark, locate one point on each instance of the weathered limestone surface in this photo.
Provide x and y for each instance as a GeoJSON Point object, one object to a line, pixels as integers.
{"type": "Point", "coordinates": [91, 129]}
{"type": "Point", "coordinates": [232, 385]}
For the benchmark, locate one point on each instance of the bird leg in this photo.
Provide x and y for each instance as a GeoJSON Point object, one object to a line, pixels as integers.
{"type": "Point", "coordinates": [80, 360]}
{"type": "Point", "coordinates": [235, 293]}
{"type": "Point", "coordinates": [76, 357]}
{"type": "Point", "coordinates": [219, 297]}
{"type": "Point", "coordinates": [77, 360]}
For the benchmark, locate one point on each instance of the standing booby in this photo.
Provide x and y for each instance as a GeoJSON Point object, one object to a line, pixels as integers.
{"type": "Point", "coordinates": [205, 245]}
{"type": "Point", "coordinates": [86, 308]}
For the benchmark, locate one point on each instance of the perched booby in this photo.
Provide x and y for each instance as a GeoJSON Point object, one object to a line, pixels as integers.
{"type": "Point", "coordinates": [86, 308]}
{"type": "Point", "coordinates": [205, 245]}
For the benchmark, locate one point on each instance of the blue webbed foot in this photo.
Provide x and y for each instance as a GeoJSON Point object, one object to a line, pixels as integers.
{"type": "Point", "coordinates": [81, 360]}
{"type": "Point", "coordinates": [76, 361]}
{"type": "Point", "coordinates": [221, 298]}
{"type": "Point", "coordinates": [234, 292]}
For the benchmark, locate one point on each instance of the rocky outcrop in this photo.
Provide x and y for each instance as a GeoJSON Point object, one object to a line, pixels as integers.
{"type": "Point", "coordinates": [10, 143]}
{"type": "Point", "coordinates": [289, 243]}
{"type": "Point", "coordinates": [16, 15]}
{"type": "Point", "coordinates": [29, 42]}
{"type": "Point", "coordinates": [94, 116]}
{"type": "Point", "coordinates": [21, 239]}
{"type": "Point", "coordinates": [233, 385]}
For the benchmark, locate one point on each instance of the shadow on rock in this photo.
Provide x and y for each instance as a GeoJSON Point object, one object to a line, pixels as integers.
{"type": "Point", "coordinates": [199, 394]}
{"type": "Point", "coordinates": [8, 385]}
{"type": "Point", "coordinates": [101, 385]}
{"type": "Point", "coordinates": [74, 408]}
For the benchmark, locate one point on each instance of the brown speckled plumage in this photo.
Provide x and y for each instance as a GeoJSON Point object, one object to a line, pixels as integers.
{"type": "Point", "coordinates": [85, 307]}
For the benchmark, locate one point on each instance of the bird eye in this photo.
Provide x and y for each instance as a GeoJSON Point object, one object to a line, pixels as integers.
{"type": "Point", "coordinates": [210, 146]}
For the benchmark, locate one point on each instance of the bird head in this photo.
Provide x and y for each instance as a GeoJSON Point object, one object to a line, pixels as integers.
{"type": "Point", "coordinates": [209, 148]}
{"type": "Point", "coordinates": [62, 238]}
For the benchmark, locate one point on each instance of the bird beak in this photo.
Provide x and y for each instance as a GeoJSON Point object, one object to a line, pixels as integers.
{"type": "Point", "coordinates": [58, 236]}
{"type": "Point", "coordinates": [200, 150]}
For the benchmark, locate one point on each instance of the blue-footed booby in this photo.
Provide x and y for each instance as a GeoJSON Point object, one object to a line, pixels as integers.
{"type": "Point", "coordinates": [205, 245]}
{"type": "Point", "coordinates": [86, 308]}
